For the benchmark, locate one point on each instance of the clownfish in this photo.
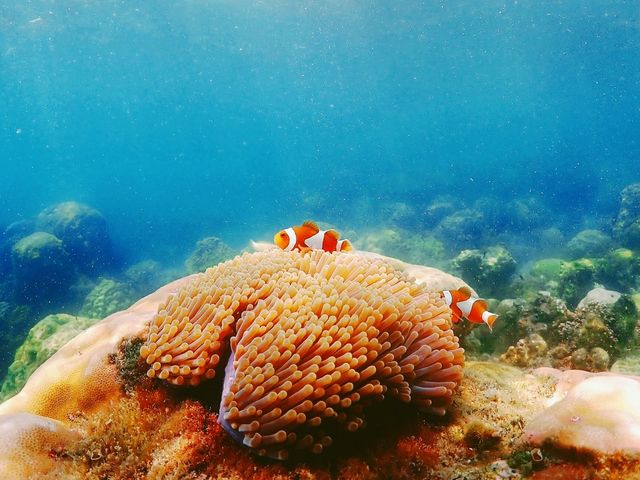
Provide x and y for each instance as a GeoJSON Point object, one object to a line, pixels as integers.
{"type": "Point", "coordinates": [463, 304]}
{"type": "Point", "coordinates": [308, 237]}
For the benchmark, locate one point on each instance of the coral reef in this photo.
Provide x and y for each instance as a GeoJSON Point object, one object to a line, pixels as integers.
{"type": "Point", "coordinates": [596, 333]}
{"type": "Point", "coordinates": [314, 339]}
{"type": "Point", "coordinates": [209, 252]}
{"type": "Point", "coordinates": [82, 230]}
{"type": "Point", "coordinates": [44, 339]}
{"type": "Point", "coordinates": [103, 418]}
{"type": "Point", "coordinates": [489, 270]}
{"type": "Point", "coordinates": [107, 297]}
{"type": "Point", "coordinates": [627, 224]}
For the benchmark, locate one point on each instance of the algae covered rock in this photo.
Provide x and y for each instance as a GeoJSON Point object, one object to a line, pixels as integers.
{"type": "Point", "coordinates": [619, 269]}
{"type": "Point", "coordinates": [627, 224]}
{"type": "Point", "coordinates": [488, 270]}
{"type": "Point", "coordinates": [406, 246]}
{"type": "Point", "coordinates": [589, 243]}
{"type": "Point", "coordinates": [462, 229]}
{"type": "Point", "coordinates": [107, 297]}
{"type": "Point", "coordinates": [146, 276]}
{"type": "Point", "coordinates": [82, 230]}
{"type": "Point", "coordinates": [42, 268]}
{"type": "Point", "coordinates": [209, 252]}
{"type": "Point", "coordinates": [576, 279]}
{"type": "Point", "coordinates": [43, 340]}
{"type": "Point", "coordinates": [15, 322]}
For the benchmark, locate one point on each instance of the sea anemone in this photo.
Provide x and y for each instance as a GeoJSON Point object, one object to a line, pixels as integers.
{"type": "Point", "coordinates": [311, 340]}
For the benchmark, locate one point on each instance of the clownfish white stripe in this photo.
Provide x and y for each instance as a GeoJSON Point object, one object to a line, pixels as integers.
{"type": "Point", "coordinates": [315, 242]}
{"type": "Point", "coordinates": [447, 297]}
{"type": "Point", "coordinates": [485, 316]}
{"type": "Point", "coordinates": [292, 238]}
{"type": "Point", "coordinates": [466, 306]}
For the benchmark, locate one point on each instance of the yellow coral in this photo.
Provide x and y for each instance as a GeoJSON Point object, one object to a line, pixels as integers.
{"type": "Point", "coordinates": [314, 338]}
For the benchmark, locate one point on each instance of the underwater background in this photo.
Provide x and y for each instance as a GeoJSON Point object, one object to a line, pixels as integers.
{"type": "Point", "coordinates": [442, 133]}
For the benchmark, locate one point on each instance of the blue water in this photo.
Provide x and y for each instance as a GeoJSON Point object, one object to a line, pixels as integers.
{"type": "Point", "coordinates": [236, 118]}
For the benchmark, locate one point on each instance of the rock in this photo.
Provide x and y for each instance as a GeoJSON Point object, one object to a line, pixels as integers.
{"type": "Point", "coordinates": [146, 276]}
{"type": "Point", "coordinates": [83, 232]}
{"type": "Point", "coordinates": [43, 270]}
{"type": "Point", "coordinates": [595, 360]}
{"type": "Point", "coordinates": [404, 245]}
{"type": "Point", "coordinates": [600, 296]}
{"type": "Point", "coordinates": [8, 237]}
{"type": "Point", "coordinates": [627, 225]}
{"type": "Point", "coordinates": [589, 243]}
{"type": "Point", "coordinates": [438, 209]}
{"type": "Point", "coordinates": [400, 214]}
{"type": "Point", "coordinates": [462, 229]}
{"type": "Point", "coordinates": [619, 269]}
{"type": "Point", "coordinates": [617, 311]}
{"type": "Point", "coordinates": [44, 339]}
{"type": "Point", "coordinates": [209, 252]}
{"type": "Point", "coordinates": [489, 270]}
{"type": "Point", "coordinates": [107, 297]}
{"type": "Point", "coordinates": [628, 364]}
{"type": "Point", "coordinates": [576, 279]}
{"type": "Point", "coordinates": [15, 322]}
{"type": "Point", "coordinates": [547, 269]}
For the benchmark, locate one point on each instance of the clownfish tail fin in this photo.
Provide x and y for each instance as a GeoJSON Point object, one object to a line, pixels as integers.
{"type": "Point", "coordinates": [489, 318]}
{"type": "Point", "coordinates": [344, 246]}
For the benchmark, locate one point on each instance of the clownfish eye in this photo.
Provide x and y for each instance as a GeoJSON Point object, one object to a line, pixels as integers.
{"type": "Point", "coordinates": [283, 234]}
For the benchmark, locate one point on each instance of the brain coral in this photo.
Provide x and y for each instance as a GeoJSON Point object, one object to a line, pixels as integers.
{"type": "Point", "coordinates": [311, 341]}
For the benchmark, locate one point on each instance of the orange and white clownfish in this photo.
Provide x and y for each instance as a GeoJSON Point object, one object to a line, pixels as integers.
{"type": "Point", "coordinates": [308, 237]}
{"type": "Point", "coordinates": [463, 304]}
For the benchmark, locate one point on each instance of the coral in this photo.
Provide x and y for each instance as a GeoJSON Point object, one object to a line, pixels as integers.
{"type": "Point", "coordinates": [28, 443]}
{"type": "Point", "coordinates": [44, 339]}
{"type": "Point", "coordinates": [107, 297]}
{"type": "Point", "coordinates": [595, 412]}
{"type": "Point", "coordinates": [618, 312]}
{"type": "Point", "coordinates": [82, 230]}
{"type": "Point", "coordinates": [314, 339]}
{"type": "Point", "coordinates": [527, 352]}
{"type": "Point", "coordinates": [405, 245]}
{"type": "Point", "coordinates": [209, 252]}
{"type": "Point", "coordinates": [588, 243]}
{"type": "Point", "coordinates": [576, 279]}
{"type": "Point", "coordinates": [627, 224]}
{"type": "Point", "coordinates": [42, 267]}
{"type": "Point", "coordinates": [595, 360]}
{"type": "Point", "coordinates": [490, 270]}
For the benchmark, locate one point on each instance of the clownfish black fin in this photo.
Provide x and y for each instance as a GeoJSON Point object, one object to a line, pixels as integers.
{"type": "Point", "coordinates": [466, 290]}
{"type": "Point", "coordinates": [312, 225]}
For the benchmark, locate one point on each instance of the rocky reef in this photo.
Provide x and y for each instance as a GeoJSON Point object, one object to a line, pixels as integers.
{"type": "Point", "coordinates": [91, 412]}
